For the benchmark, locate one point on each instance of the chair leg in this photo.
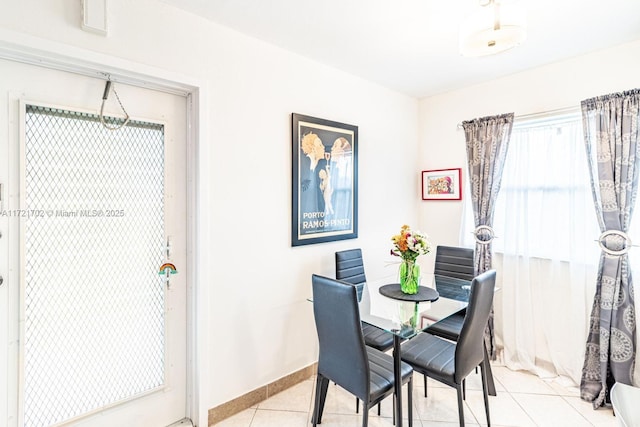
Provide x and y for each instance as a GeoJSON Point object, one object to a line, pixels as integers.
{"type": "Point", "coordinates": [410, 401]}
{"type": "Point", "coordinates": [316, 405]}
{"type": "Point", "coordinates": [485, 392]}
{"type": "Point", "coordinates": [490, 383]}
{"type": "Point", "coordinates": [425, 385]}
{"type": "Point", "coordinates": [460, 405]}
{"type": "Point", "coordinates": [365, 415]}
{"type": "Point", "coordinates": [358, 406]}
{"type": "Point", "coordinates": [464, 389]}
{"type": "Point", "coordinates": [322, 384]}
{"type": "Point", "coordinates": [393, 409]}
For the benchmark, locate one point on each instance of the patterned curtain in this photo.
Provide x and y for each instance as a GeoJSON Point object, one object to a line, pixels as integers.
{"type": "Point", "coordinates": [487, 141]}
{"type": "Point", "coordinates": [611, 129]}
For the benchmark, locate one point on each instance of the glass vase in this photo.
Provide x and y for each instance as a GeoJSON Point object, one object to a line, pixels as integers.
{"type": "Point", "coordinates": [409, 277]}
{"type": "Point", "coordinates": [408, 315]}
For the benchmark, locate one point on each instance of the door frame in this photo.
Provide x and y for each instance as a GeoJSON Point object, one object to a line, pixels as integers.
{"type": "Point", "coordinates": [23, 48]}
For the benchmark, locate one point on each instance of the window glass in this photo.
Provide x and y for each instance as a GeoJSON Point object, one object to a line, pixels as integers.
{"type": "Point", "coordinates": [545, 207]}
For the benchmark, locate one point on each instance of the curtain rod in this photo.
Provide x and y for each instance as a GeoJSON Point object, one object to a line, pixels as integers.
{"type": "Point", "coordinates": [542, 114]}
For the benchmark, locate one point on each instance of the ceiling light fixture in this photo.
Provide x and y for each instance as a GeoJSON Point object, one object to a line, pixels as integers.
{"type": "Point", "coordinates": [496, 27]}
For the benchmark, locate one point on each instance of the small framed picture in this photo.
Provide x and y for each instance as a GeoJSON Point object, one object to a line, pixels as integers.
{"type": "Point", "coordinates": [442, 184]}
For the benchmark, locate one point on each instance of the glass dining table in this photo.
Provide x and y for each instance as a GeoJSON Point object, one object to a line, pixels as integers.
{"type": "Point", "coordinates": [384, 306]}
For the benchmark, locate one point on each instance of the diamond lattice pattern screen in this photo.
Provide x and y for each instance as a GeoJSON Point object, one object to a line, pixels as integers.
{"type": "Point", "coordinates": [93, 217]}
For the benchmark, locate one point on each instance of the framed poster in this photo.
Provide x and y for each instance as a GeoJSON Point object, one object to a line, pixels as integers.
{"type": "Point", "coordinates": [325, 180]}
{"type": "Point", "coordinates": [442, 184]}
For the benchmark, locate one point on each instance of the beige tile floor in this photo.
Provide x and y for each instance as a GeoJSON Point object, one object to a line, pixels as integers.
{"type": "Point", "coordinates": [522, 400]}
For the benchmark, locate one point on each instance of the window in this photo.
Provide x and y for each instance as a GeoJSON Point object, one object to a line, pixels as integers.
{"type": "Point", "coordinates": [546, 250]}
{"type": "Point", "coordinates": [545, 207]}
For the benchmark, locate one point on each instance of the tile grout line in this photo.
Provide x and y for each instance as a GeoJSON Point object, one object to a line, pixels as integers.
{"type": "Point", "coordinates": [579, 413]}
{"type": "Point", "coordinates": [521, 407]}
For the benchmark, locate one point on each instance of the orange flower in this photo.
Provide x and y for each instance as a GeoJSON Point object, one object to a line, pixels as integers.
{"type": "Point", "coordinates": [409, 244]}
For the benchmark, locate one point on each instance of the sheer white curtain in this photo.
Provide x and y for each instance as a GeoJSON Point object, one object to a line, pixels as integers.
{"type": "Point", "coordinates": [545, 251]}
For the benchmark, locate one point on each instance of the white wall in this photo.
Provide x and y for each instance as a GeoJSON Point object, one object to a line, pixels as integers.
{"type": "Point", "coordinates": [260, 326]}
{"type": "Point", "coordinates": [555, 86]}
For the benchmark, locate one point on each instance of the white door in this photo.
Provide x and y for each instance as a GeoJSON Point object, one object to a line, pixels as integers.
{"type": "Point", "coordinates": [91, 334]}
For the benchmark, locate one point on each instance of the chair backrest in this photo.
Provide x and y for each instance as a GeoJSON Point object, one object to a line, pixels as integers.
{"type": "Point", "coordinates": [469, 348]}
{"type": "Point", "coordinates": [454, 262]}
{"type": "Point", "coordinates": [343, 355]}
{"type": "Point", "coordinates": [350, 269]}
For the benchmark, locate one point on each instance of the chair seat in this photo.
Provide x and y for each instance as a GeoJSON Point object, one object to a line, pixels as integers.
{"type": "Point", "coordinates": [376, 337]}
{"type": "Point", "coordinates": [432, 356]}
{"type": "Point", "coordinates": [450, 362]}
{"type": "Point", "coordinates": [449, 327]}
{"type": "Point", "coordinates": [382, 379]}
{"type": "Point", "coordinates": [453, 291]}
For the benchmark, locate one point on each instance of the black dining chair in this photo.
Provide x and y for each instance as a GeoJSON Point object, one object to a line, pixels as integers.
{"type": "Point", "coordinates": [458, 263]}
{"type": "Point", "coordinates": [450, 362]}
{"type": "Point", "coordinates": [455, 262]}
{"type": "Point", "coordinates": [350, 269]}
{"type": "Point", "coordinates": [344, 358]}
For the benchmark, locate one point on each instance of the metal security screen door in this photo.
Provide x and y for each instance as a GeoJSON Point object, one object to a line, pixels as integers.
{"type": "Point", "coordinates": [93, 336]}
{"type": "Point", "coordinates": [93, 221]}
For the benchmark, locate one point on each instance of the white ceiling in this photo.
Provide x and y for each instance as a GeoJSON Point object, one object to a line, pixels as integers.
{"type": "Point", "coordinates": [412, 45]}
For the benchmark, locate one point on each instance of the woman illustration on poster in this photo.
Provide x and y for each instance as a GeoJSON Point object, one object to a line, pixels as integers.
{"type": "Point", "coordinates": [312, 200]}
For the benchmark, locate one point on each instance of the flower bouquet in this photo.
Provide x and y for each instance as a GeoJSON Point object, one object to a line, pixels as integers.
{"type": "Point", "coordinates": [409, 245]}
